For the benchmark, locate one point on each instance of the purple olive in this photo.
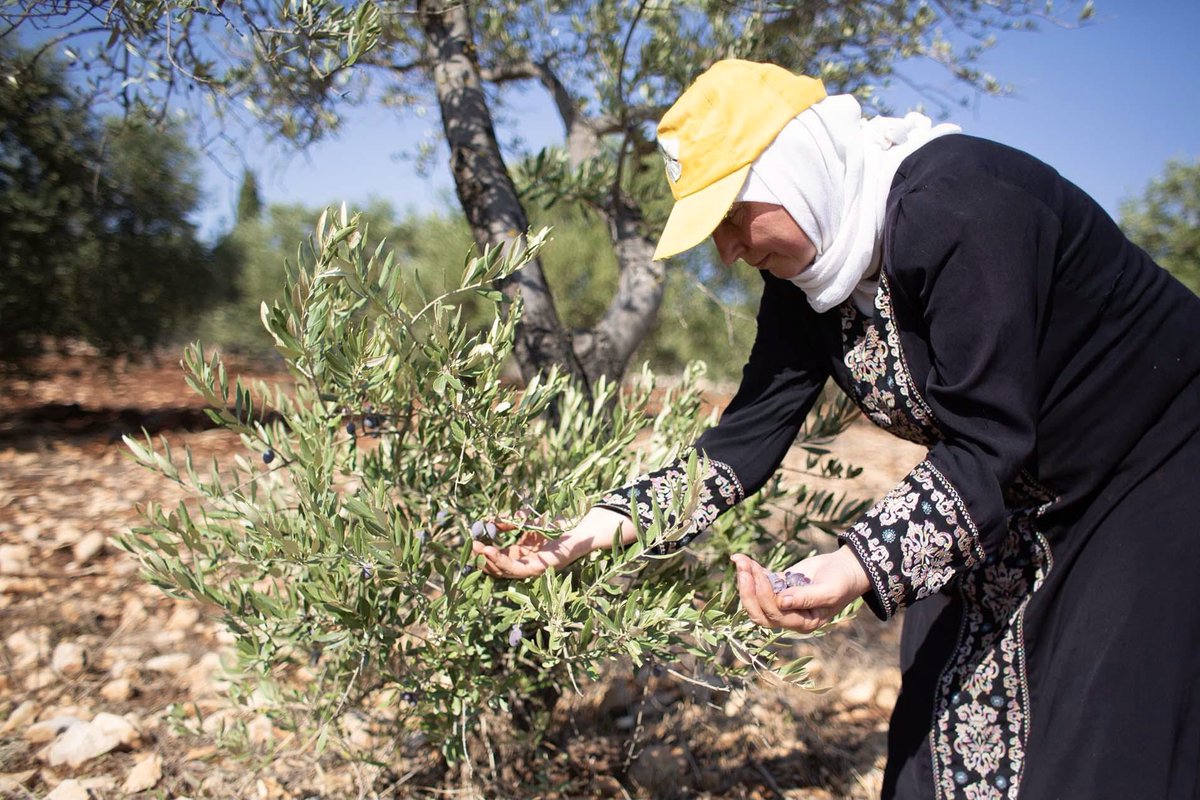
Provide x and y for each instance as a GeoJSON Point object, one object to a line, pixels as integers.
{"type": "Point", "coordinates": [366, 572]}
{"type": "Point", "coordinates": [778, 584]}
{"type": "Point", "coordinates": [268, 456]}
{"type": "Point", "coordinates": [420, 535]}
{"type": "Point", "coordinates": [794, 579]}
{"type": "Point", "coordinates": [491, 529]}
{"type": "Point", "coordinates": [477, 529]}
{"type": "Point", "coordinates": [350, 428]}
{"type": "Point", "coordinates": [515, 636]}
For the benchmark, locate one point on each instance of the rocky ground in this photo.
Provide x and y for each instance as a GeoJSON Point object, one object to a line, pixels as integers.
{"type": "Point", "coordinates": [109, 688]}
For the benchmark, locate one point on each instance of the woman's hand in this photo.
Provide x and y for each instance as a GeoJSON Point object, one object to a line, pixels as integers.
{"type": "Point", "coordinates": [534, 552]}
{"type": "Point", "coordinates": [836, 580]}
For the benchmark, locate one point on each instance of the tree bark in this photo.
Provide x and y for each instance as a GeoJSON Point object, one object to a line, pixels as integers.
{"type": "Point", "coordinates": [605, 350]}
{"type": "Point", "coordinates": [484, 186]}
{"type": "Point", "coordinates": [489, 199]}
{"type": "Point", "coordinates": [629, 318]}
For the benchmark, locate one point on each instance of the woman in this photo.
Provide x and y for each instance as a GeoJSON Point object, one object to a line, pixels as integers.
{"type": "Point", "coordinates": [970, 299]}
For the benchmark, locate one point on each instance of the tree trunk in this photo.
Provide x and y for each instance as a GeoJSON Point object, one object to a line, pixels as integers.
{"type": "Point", "coordinates": [605, 350]}
{"type": "Point", "coordinates": [484, 187]}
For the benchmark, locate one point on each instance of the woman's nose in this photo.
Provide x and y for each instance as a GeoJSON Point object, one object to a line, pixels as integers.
{"type": "Point", "coordinates": [729, 247]}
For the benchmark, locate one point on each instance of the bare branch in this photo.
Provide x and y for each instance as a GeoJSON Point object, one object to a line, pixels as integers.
{"type": "Point", "coordinates": [513, 71]}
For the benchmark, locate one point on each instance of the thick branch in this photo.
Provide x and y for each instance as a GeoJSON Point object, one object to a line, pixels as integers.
{"type": "Point", "coordinates": [484, 187]}
{"type": "Point", "coordinates": [629, 318]}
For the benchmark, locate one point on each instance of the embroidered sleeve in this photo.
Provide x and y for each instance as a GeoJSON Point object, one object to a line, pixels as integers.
{"type": "Point", "coordinates": [914, 541]}
{"type": "Point", "coordinates": [965, 255]}
{"type": "Point", "coordinates": [719, 491]}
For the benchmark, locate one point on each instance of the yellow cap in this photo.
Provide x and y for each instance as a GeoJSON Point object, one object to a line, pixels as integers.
{"type": "Point", "coordinates": [714, 132]}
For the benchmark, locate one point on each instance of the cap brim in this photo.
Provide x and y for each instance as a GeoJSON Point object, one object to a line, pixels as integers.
{"type": "Point", "coordinates": [694, 217]}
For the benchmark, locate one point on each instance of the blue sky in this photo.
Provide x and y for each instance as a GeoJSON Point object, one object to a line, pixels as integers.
{"type": "Point", "coordinates": [1106, 104]}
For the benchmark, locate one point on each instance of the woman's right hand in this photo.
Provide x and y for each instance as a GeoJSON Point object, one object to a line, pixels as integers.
{"type": "Point", "coordinates": [534, 553]}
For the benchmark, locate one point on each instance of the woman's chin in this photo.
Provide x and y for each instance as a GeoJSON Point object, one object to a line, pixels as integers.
{"type": "Point", "coordinates": [785, 270]}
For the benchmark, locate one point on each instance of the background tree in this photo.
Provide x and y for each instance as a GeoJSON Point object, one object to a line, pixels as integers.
{"type": "Point", "coordinates": [1165, 221]}
{"type": "Point", "coordinates": [610, 68]}
{"type": "Point", "coordinates": [94, 219]}
{"type": "Point", "coordinates": [249, 204]}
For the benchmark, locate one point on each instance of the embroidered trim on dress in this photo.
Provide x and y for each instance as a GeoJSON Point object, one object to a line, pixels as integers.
{"type": "Point", "coordinates": [720, 490]}
{"type": "Point", "coordinates": [981, 703]}
{"type": "Point", "coordinates": [880, 380]}
{"type": "Point", "coordinates": [981, 711]}
{"type": "Point", "coordinates": [916, 539]}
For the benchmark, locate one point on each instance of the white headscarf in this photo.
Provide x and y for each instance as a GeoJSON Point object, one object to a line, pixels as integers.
{"type": "Point", "coordinates": [831, 169]}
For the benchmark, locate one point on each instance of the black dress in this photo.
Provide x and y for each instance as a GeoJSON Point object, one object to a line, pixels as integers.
{"type": "Point", "coordinates": [1047, 546]}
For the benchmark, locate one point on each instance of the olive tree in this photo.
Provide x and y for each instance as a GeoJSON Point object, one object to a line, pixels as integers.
{"type": "Point", "coordinates": [338, 546]}
{"type": "Point", "coordinates": [610, 68]}
{"type": "Point", "coordinates": [1165, 221]}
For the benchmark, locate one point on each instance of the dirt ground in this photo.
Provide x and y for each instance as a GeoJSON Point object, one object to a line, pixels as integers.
{"type": "Point", "coordinates": [93, 657]}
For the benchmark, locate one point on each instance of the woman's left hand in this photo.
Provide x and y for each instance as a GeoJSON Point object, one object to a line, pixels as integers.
{"type": "Point", "coordinates": [836, 580]}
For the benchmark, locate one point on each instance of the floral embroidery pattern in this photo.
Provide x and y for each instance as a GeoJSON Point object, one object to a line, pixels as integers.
{"type": "Point", "coordinates": [915, 539]}
{"type": "Point", "coordinates": [981, 712]}
{"type": "Point", "coordinates": [719, 491]}
{"type": "Point", "coordinates": [880, 381]}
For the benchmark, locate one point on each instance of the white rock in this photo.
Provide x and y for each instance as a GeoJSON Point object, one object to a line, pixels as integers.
{"type": "Point", "coordinates": [218, 722]}
{"type": "Point", "coordinates": [69, 789]}
{"type": "Point", "coordinates": [66, 534]}
{"type": "Point", "coordinates": [73, 611]}
{"type": "Point", "coordinates": [78, 712]}
{"type": "Point", "coordinates": [886, 697]}
{"type": "Point", "coordinates": [859, 689]}
{"type": "Point", "coordinates": [207, 676]}
{"type": "Point", "coordinates": [68, 658]}
{"type": "Point", "coordinates": [117, 691]}
{"type": "Point", "coordinates": [260, 730]}
{"type": "Point", "coordinates": [133, 613]}
{"type": "Point", "coordinates": [14, 586]}
{"type": "Point", "coordinates": [358, 729]}
{"type": "Point", "coordinates": [21, 715]}
{"type": "Point", "coordinates": [125, 568]}
{"type": "Point", "coordinates": [28, 645]}
{"type": "Point", "coordinates": [82, 743]}
{"type": "Point", "coordinates": [14, 559]}
{"type": "Point", "coordinates": [171, 663]}
{"type": "Point", "coordinates": [144, 775]}
{"type": "Point", "coordinates": [88, 548]}
{"type": "Point", "coordinates": [49, 729]}
{"type": "Point", "coordinates": [99, 785]}
{"type": "Point", "coordinates": [183, 618]}
{"type": "Point", "coordinates": [40, 679]}
{"type": "Point", "coordinates": [165, 639]}
{"type": "Point", "coordinates": [122, 668]}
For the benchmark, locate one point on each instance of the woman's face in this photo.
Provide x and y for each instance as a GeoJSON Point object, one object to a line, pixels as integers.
{"type": "Point", "coordinates": [765, 236]}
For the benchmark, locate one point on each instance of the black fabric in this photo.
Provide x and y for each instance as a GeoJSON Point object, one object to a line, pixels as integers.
{"type": "Point", "coordinates": [1049, 536]}
{"type": "Point", "coordinates": [780, 383]}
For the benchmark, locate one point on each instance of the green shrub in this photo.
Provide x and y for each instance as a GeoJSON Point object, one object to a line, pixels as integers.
{"type": "Point", "coordinates": [347, 554]}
